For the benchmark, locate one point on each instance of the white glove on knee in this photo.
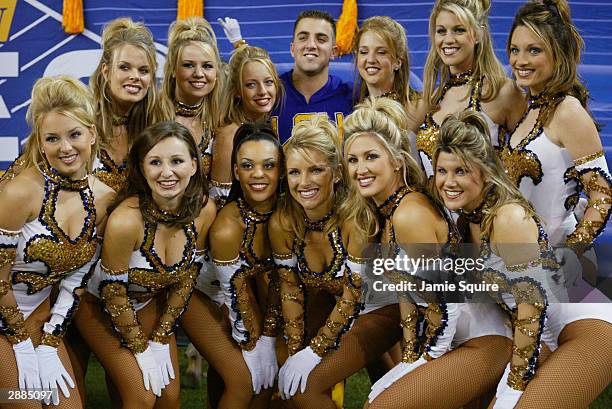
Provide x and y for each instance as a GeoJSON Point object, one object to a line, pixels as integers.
{"type": "Point", "coordinates": [253, 361]}
{"type": "Point", "coordinates": [295, 372]}
{"type": "Point", "coordinates": [397, 372]}
{"type": "Point", "coordinates": [151, 373]}
{"type": "Point", "coordinates": [161, 352]}
{"type": "Point", "coordinates": [27, 365]}
{"type": "Point", "coordinates": [267, 354]}
{"type": "Point", "coordinates": [506, 397]}
{"type": "Point", "coordinates": [231, 27]}
{"type": "Point", "coordinates": [53, 375]}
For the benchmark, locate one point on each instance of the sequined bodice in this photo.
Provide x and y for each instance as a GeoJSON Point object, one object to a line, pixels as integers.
{"type": "Point", "coordinates": [45, 253]}
{"type": "Point", "coordinates": [147, 273]}
{"type": "Point", "coordinates": [331, 278]}
{"type": "Point", "coordinates": [206, 147]}
{"type": "Point", "coordinates": [113, 175]}
{"type": "Point", "coordinates": [429, 131]}
{"type": "Point", "coordinates": [544, 173]}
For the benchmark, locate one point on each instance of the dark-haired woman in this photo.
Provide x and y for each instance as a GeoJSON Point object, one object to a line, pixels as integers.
{"type": "Point", "coordinates": [555, 154]}
{"type": "Point", "coordinates": [150, 261]}
{"type": "Point", "coordinates": [239, 340]}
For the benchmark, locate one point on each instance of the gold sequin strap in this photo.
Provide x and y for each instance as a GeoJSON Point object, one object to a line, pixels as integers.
{"type": "Point", "coordinates": [411, 349]}
{"type": "Point", "coordinates": [113, 175]}
{"type": "Point", "coordinates": [273, 318]}
{"type": "Point", "coordinates": [8, 247]}
{"type": "Point", "coordinates": [11, 318]}
{"type": "Point", "coordinates": [596, 182]}
{"type": "Point", "coordinates": [436, 317]}
{"type": "Point", "coordinates": [292, 301]}
{"type": "Point", "coordinates": [13, 324]}
{"type": "Point", "coordinates": [342, 316]}
{"type": "Point", "coordinates": [176, 303]}
{"type": "Point", "coordinates": [12, 171]}
{"type": "Point", "coordinates": [387, 208]}
{"type": "Point", "coordinates": [152, 212]}
{"type": "Point", "coordinates": [528, 294]}
{"type": "Point", "coordinates": [113, 294]}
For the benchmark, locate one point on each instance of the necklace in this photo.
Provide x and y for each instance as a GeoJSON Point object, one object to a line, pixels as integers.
{"type": "Point", "coordinates": [182, 109]}
{"type": "Point", "coordinates": [119, 120]}
{"type": "Point", "coordinates": [150, 208]}
{"type": "Point", "coordinates": [62, 181]}
{"type": "Point", "coordinates": [318, 225]}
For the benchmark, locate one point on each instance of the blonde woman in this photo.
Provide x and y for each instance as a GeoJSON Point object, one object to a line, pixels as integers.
{"type": "Point", "coordinates": [125, 95]}
{"type": "Point", "coordinates": [462, 72]}
{"type": "Point", "coordinates": [52, 213]}
{"type": "Point", "coordinates": [191, 91]}
{"type": "Point", "coordinates": [387, 201]}
{"type": "Point", "coordinates": [253, 90]}
{"type": "Point", "coordinates": [381, 58]}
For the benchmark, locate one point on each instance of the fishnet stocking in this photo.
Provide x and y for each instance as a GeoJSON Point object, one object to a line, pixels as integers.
{"type": "Point", "coordinates": [119, 363]}
{"type": "Point", "coordinates": [452, 380]}
{"type": "Point", "coordinates": [9, 378]}
{"type": "Point", "coordinates": [371, 336]}
{"type": "Point", "coordinates": [208, 328]}
{"type": "Point", "coordinates": [577, 372]}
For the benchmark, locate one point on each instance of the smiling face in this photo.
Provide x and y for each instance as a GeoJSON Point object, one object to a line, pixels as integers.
{"type": "Point", "coordinates": [532, 64]}
{"type": "Point", "coordinates": [454, 42]}
{"type": "Point", "coordinates": [66, 143]}
{"type": "Point", "coordinates": [196, 73]}
{"type": "Point", "coordinates": [459, 186]}
{"type": "Point", "coordinates": [258, 170]}
{"type": "Point", "coordinates": [311, 181]}
{"type": "Point", "coordinates": [313, 46]}
{"type": "Point", "coordinates": [258, 90]}
{"type": "Point", "coordinates": [376, 63]}
{"type": "Point", "coordinates": [168, 168]}
{"type": "Point", "coordinates": [128, 77]}
{"type": "Point", "coordinates": [371, 166]}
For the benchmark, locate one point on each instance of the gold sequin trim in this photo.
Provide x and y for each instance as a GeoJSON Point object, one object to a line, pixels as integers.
{"type": "Point", "coordinates": [222, 185]}
{"type": "Point", "coordinates": [50, 340]}
{"type": "Point", "coordinates": [112, 272]}
{"type": "Point", "coordinates": [5, 287]}
{"type": "Point", "coordinates": [7, 256]}
{"type": "Point", "coordinates": [113, 175]}
{"type": "Point", "coordinates": [226, 263]}
{"type": "Point", "coordinates": [586, 159]}
{"type": "Point", "coordinates": [411, 351]}
{"type": "Point", "coordinates": [287, 256]}
{"type": "Point", "coordinates": [14, 324]}
{"type": "Point", "coordinates": [357, 260]}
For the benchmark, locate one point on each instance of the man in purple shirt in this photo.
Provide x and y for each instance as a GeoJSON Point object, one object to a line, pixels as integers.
{"type": "Point", "coordinates": [310, 89]}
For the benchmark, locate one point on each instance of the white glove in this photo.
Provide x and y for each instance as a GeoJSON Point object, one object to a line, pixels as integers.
{"type": "Point", "coordinates": [161, 352]}
{"type": "Point", "coordinates": [397, 372]}
{"type": "Point", "coordinates": [253, 362]}
{"type": "Point", "coordinates": [443, 343]}
{"type": "Point", "coordinates": [151, 373]}
{"type": "Point", "coordinates": [231, 27]}
{"type": "Point", "coordinates": [53, 375]}
{"type": "Point", "coordinates": [27, 365]}
{"type": "Point", "coordinates": [506, 397]}
{"type": "Point", "coordinates": [295, 372]}
{"type": "Point", "coordinates": [267, 355]}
